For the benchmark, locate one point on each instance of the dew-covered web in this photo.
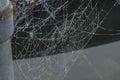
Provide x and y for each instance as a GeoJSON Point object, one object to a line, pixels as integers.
{"type": "Point", "coordinates": [52, 27]}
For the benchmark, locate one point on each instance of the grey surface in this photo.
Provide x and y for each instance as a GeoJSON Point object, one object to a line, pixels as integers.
{"type": "Point", "coordinates": [6, 63]}
{"type": "Point", "coordinates": [6, 29]}
{"type": "Point", "coordinates": [100, 63]}
{"type": "Point", "coordinates": [97, 63]}
{"type": "Point", "coordinates": [6, 25]}
{"type": "Point", "coordinates": [3, 4]}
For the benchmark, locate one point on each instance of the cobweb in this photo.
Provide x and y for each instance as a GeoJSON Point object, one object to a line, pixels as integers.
{"type": "Point", "coordinates": [53, 27]}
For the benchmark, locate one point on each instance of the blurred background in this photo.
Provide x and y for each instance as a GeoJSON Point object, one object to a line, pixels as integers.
{"type": "Point", "coordinates": [66, 40]}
